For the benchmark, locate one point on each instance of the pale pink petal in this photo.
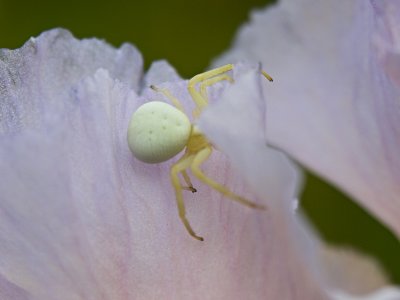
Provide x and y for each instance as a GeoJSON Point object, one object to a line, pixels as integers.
{"type": "Point", "coordinates": [334, 104]}
{"type": "Point", "coordinates": [160, 72]}
{"type": "Point", "coordinates": [80, 218]}
{"type": "Point", "coordinates": [234, 124]}
{"type": "Point", "coordinates": [389, 293]}
{"type": "Point", "coordinates": [41, 73]}
{"type": "Point", "coordinates": [351, 270]}
{"type": "Point", "coordinates": [9, 290]}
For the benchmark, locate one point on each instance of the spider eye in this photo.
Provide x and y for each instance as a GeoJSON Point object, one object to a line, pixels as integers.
{"type": "Point", "coordinates": [157, 132]}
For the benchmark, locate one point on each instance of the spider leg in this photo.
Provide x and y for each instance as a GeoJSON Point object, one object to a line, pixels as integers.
{"type": "Point", "coordinates": [177, 168]}
{"type": "Point", "coordinates": [210, 81]}
{"type": "Point", "coordinates": [203, 89]}
{"type": "Point", "coordinates": [202, 156]}
{"type": "Point", "coordinates": [196, 95]}
{"type": "Point", "coordinates": [168, 95]}
{"type": "Point", "coordinates": [266, 75]}
{"type": "Point", "coordinates": [188, 182]}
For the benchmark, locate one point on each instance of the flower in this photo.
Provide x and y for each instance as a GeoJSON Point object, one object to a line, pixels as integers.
{"type": "Point", "coordinates": [334, 105]}
{"type": "Point", "coordinates": [80, 218]}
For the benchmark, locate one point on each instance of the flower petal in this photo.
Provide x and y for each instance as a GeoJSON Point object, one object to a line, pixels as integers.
{"type": "Point", "coordinates": [160, 72]}
{"type": "Point", "coordinates": [80, 218]}
{"type": "Point", "coordinates": [334, 104]}
{"type": "Point", "coordinates": [41, 73]}
{"type": "Point", "coordinates": [352, 271]}
{"type": "Point", "coordinates": [233, 124]}
{"type": "Point", "coordinates": [388, 293]}
{"type": "Point", "coordinates": [9, 290]}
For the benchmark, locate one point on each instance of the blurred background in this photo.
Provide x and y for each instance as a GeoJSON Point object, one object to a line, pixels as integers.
{"type": "Point", "coordinates": [189, 35]}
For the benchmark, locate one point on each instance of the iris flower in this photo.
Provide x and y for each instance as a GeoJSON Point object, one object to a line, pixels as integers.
{"type": "Point", "coordinates": [81, 218]}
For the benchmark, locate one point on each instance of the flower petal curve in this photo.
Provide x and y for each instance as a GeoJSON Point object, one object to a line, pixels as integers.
{"type": "Point", "coordinates": [334, 104]}
{"type": "Point", "coordinates": [233, 124]}
{"type": "Point", "coordinates": [41, 73]}
{"type": "Point", "coordinates": [80, 218]}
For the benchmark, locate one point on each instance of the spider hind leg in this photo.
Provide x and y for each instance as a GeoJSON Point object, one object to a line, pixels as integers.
{"type": "Point", "coordinates": [202, 156]}
{"type": "Point", "coordinates": [180, 167]}
{"type": "Point", "coordinates": [189, 186]}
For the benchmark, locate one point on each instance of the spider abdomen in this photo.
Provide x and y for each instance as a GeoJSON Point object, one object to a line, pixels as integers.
{"type": "Point", "coordinates": [157, 132]}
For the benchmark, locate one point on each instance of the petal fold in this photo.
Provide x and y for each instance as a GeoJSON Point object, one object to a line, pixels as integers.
{"type": "Point", "coordinates": [80, 218]}
{"type": "Point", "coordinates": [42, 72]}
{"type": "Point", "coordinates": [334, 104]}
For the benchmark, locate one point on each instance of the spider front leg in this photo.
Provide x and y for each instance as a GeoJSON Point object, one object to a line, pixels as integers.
{"type": "Point", "coordinates": [169, 96]}
{"type": "Point", "coordinates": [202, 156]}
{"type": "Point", "coordinates": [196, 95]}
{"type": "Point", "coordinates": [210, 81]}
{"type": "Point", "coordinates": [179, 167]}
{"type": "Point", "coordinates": [203, 89]}
{"type": "Point", "coordinates": [209, 78]}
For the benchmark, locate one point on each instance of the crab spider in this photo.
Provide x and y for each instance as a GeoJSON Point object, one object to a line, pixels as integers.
{"type": "Point", "coordinates": [158, 131]}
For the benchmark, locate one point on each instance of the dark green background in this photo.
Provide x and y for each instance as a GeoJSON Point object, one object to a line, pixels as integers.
{"type": "Point", "coordinates": [189, 34]}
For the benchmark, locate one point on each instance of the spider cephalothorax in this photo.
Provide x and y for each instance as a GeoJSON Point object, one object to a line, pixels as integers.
{"type": "Point", "coordinates": [159, 131]}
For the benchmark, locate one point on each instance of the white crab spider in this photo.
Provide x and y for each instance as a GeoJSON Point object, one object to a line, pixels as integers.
{"type": "Point", "coordinates": [159, 131]}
